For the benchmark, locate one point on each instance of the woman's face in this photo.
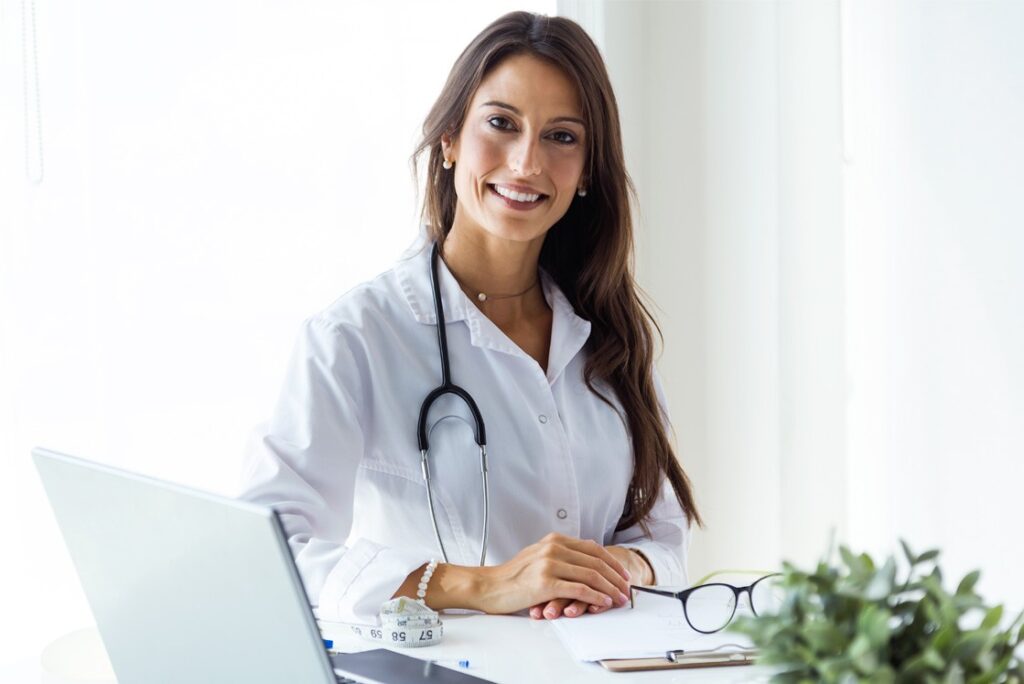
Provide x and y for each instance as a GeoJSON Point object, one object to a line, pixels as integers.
{"type": "Point", "coordinates": [523, 132]}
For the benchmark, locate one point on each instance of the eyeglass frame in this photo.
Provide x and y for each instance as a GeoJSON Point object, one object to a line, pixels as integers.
{"type": "Point", "coordinates": [683, 595]}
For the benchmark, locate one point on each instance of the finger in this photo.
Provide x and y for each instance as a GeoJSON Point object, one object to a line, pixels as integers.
{"type": "Point", "coordinates": [579, 591]}
{"type": "Point", "coordinates": [597, 557]}
{"type": "Point", "coordinates": [575, 609]}
{"type": "Point", "coordinates": [592, 548]}
{"type": "Point", "coordinates": [555, 607]}
{"type": "Point", "coordinates": [594, 580]}
{"type": "Point", "coordinates": [596, 564]}
{"type": "Point", "coordinates": [537, 612]}
{"type": "Point", "coordinates": [597, 609]}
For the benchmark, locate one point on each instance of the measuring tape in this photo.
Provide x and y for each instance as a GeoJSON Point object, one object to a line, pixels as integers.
{"type": "Point", "coordinates": [404, 622]}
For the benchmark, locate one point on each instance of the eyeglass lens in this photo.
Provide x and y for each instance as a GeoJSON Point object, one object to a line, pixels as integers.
{"type": "Point", "coordinates": [766, 595]}
{"type": "Point", "coordinates": [710, 607]}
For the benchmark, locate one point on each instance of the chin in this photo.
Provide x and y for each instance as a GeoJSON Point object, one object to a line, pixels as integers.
{"type": "Point", "coordinates": [516, 231]}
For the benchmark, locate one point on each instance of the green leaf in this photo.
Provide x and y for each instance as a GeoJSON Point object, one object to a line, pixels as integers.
{"type": "Point", "coordinates": [873, 624]}
{"type": "Point", "coordinates": [992, 617]}
{"type": "Point", "coordinates": [863, 656]}
{"type": "Point", "coordinates": [969, 647]}
{"type": "Point", "coordinates": [908, 553]}
{"type": "Point", "coordinates": [954, 675]}
{"type": "Point", "coordinates": [966, 585]}
{"type": "Point", "coordinates": [824, 637]}
{"type": "Point", "coordinates": [848, 558]}
{"type": "Point", "coordinates": [926, 661]}
{"type": "Point", "coordinates": [944, 637]}
{"type": "Point", "coordinates": [881, 584]}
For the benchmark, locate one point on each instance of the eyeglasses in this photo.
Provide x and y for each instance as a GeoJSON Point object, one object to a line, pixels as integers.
{"type": "Point", "coordinates": [709, 608]}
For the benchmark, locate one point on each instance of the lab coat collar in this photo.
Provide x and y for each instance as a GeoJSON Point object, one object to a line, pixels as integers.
{"type": "Point", "coordinates": [569, 332]}
{"type": "Point", "coordinates": [414, 278]}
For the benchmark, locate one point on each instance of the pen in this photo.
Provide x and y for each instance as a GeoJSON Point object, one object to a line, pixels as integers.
{"type": "Point", "coordinates": [461, 663]}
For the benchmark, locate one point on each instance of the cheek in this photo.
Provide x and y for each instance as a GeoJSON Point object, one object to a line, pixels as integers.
{"type": "Point", "coordinates": [565, 170]}
{"type": "Point", "coordinates": [481, 155]}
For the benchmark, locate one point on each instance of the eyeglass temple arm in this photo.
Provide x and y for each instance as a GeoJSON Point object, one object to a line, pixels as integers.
{"type": "Point", "coordinates": [705, 578]}
{"type": "Point", "coordinates": [650, 590]}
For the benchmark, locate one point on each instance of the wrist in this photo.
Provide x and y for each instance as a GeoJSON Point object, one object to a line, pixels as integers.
{"type": "Point", "coordinates": [644, 570]}
{"type": "Point", "coordinates": [456, 586]}
{"type": "Point", "coordinates": [640, 569]}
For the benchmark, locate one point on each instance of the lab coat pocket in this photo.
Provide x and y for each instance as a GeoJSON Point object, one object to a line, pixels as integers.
{"type": "Point", "coordinates": [391, 509]}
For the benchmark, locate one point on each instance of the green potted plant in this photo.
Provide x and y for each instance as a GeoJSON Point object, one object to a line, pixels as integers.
{"type": "Point", "coordinates": [858, 621]}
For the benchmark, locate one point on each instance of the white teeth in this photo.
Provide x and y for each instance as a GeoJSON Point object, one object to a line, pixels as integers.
{"type": "Point", "coordinates": [517, 196]}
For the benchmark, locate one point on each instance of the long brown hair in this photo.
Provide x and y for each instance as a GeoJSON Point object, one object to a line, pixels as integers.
{"type": "Point", "coordinates": [589, 251]}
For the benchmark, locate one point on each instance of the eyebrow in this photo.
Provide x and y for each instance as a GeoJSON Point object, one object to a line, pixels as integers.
{"type": "Point", "coordinates": [514, 110]}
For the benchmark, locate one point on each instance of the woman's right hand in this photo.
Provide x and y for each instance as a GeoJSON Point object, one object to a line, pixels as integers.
{"type": "Point", "coordinates": [556, 567]}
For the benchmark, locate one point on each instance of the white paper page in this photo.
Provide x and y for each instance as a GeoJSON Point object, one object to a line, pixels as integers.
{"type": "Point", "coordinates": [654, 626]}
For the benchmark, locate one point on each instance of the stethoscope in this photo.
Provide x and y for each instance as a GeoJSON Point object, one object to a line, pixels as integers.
{"type": "Point", "coordinates": [446, 387]}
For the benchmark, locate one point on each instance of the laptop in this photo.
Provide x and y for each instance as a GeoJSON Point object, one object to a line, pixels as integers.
{"type": "Point", "coordinates": [188, 586]}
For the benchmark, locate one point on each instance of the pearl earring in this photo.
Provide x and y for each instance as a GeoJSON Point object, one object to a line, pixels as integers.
{"type": "Point", "coordinates": [447, 164]}
{"type": "Point", "coordinates": [581, 192]}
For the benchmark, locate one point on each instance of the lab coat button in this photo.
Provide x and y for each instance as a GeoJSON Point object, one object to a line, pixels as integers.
{"type": "Point", "coordinates": [562, 514]}
{"type": "Point", "coordinates": [542, 418]}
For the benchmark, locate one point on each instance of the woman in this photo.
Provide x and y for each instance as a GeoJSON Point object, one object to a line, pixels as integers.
{"type": "Point", "coordinates": [527, 203]}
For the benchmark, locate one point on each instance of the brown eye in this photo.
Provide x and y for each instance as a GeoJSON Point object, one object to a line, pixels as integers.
{"type": "Point", "coordinates": [498, 118]}
{"type": "Point", "coordinates": [569, 137]}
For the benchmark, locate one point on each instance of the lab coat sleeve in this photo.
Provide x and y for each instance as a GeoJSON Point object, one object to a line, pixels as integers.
{"type": "Point", "coordinates": [303, 463]}
{"type": "Point", "coordinates": [669, 541]}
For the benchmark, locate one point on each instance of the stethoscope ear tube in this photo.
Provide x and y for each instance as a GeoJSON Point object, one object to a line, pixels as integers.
{"type": "Point", "coordinates": [447, 387]}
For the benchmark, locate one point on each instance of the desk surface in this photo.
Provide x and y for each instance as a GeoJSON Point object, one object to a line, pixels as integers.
{"type": "Point", "coordinates": [509, 649]}
{"type": "Point", "coordinates": [504, 649]}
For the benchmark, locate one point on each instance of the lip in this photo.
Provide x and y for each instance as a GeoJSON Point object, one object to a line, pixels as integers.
{"type": "Point", "coordinates": [513, 204]}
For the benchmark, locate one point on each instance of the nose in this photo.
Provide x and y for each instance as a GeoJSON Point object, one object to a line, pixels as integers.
{"type": "Point", "coordinates": [525, 158]}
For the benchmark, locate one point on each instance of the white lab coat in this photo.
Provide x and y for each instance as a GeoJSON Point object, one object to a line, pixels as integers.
{"type": "Point", "coordinates": [339, 459]}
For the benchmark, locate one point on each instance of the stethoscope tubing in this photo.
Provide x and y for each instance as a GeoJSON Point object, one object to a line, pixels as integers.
{"type": "Point", "coordinates": [448, 387]}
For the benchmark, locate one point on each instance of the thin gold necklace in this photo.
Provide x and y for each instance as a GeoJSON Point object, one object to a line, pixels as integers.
{"type": "Point", "coordinates": [484, 297]}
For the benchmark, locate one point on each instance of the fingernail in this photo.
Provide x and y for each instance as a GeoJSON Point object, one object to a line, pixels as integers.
{"type": "Point", "coordinates": [594, 609]}
{"type": "Point", "coordinates": [607, 600]}
{"type": "Point", "coordinates": [550, 612]}
{"type": "Point", "coordinates": [570, 611]}
{"type": "Point", "coordinates": [628, 576]}
{"type": "Point", "coordinates": [622, 599]}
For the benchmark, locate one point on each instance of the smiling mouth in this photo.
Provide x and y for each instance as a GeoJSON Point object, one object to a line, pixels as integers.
{"type": "Point", "coordinates": [515, 203]}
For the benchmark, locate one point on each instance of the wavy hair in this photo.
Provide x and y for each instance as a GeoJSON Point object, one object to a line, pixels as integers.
{"type": "Point", "coordinates": [589, 251]}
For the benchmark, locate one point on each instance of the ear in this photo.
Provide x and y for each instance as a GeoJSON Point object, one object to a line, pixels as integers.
{"type": "Point", "coordinates": [447, 143]}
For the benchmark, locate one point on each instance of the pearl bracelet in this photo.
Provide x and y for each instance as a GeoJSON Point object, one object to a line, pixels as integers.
{"type": "Point", "coordinates": [421, 591]}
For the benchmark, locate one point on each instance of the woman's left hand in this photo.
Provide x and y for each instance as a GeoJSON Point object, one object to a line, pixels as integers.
{"type": "Point", "coordinates": [638, 569]}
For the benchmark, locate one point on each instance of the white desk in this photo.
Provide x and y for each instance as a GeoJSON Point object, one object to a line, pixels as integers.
{"type": "Point", "coordinates": [504, 649]}
{"type": "Point", "coordinates": [513, 650]}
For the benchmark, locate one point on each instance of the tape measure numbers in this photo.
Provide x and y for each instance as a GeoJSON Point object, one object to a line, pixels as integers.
{"type": "Point", "coordinates": [404, 622]}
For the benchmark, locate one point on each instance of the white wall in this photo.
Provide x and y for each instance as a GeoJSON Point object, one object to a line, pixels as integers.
{"type": "Point", "coordinates": [829, 225]}
{"type": "Point", "coordinates": [934, 256]}
{"type": "Point", "coordinates": [212, 173]}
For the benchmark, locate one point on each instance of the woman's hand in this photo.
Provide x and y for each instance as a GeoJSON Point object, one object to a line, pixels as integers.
{"type": "Point", "coordinates": [635, 565]}
{"type": "Point", "coordinates": [555, 568]}
{"type": "Point", "coordinates": [563, 572]}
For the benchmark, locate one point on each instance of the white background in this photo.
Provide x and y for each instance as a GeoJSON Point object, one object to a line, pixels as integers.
{"type": "Point", "coordinates": [831, 229]}
{"type": "Point", "coordinates": [213, 173]}
{"type": "Point", "coordinates": [829, 224]}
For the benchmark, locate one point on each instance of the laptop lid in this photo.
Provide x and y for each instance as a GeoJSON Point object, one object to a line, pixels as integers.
{"type": "Point", "coordinates": [185, 586]}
